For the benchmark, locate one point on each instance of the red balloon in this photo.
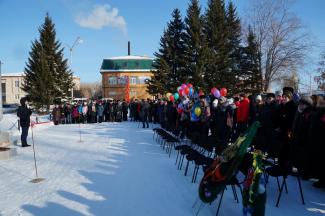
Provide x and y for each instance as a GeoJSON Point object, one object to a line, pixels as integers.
{"type": "Point", "coordinates": [172, 99]}
{"type": "Point", "coordinates": [189, 85]}
{"type": "Point", "coordinates": [223, 92]}
{"type": "Point", "coordinates": [186, 90]}
{"type": "Point", "coordinates": [213, 90]}
{"type": "Point", "coordinates": [180, 92]}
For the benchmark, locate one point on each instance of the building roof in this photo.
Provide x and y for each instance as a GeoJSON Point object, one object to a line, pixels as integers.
{"type": "Point", "coordinates": [19, 74]}
{"type": "Point", "coordinates": [127, 63]}
{"type": "Point", "coordinates": [22, 74]}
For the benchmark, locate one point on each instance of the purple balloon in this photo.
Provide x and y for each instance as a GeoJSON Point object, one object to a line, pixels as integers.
{"type": "Point", "coordinates": [217, 93]}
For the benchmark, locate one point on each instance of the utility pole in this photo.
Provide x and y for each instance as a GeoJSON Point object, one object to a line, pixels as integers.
{"type": "Point", "coordinates": [76, 42]}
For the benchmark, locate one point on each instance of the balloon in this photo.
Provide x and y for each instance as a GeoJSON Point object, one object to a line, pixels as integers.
{"type": "Point", "coordinates": [183, 86]}
{"type": "Point", "coordinates": [191, 92]}
{"type": "Point", "coordinates": [178, 88]}
{"type": "Point", "coordinates": [186, 91]}
{"type": "Point", "coordinates": [180, 92]}
{"type": "Point", "coordinates": [168, 95]}
{"type": "Point", "coordinates": [223, 92]}
{"type": "Point", "coordinates": [201, 93]}
{"type": "Point", "coordinates": [176, 96]}
{"type": "Point", "coordinates": [213, 90]}
{"type": "Point", "coordinates": [197, 111]}
{"type": "Point", "coordinates": [171, 98]}
{"type": "Point", "coordinates": [216, 93]}
{"type": "Point", "coordinates": [189, 85]}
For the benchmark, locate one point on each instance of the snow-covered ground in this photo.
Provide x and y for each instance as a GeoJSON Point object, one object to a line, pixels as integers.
{"type": "Point", "coordinates": [116, 170]}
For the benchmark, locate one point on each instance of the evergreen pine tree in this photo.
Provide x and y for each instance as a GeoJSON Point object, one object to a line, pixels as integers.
{"type": "Point", "coordinates": [215, 28]}
{"type": "Point", "coordinates": [176, 49]}
{"type": "Point", "coordinates": [170, 59]}
{"type": "Point", "coordinates": [195, 45]}
{"type": "Point", "coordinates": [234, 47]}
{"type": "Point", "coordinates": [46, 73]}
{"type": "Point", "coordinates": [159, 81]}
{"type": "Point", "coordinates": [251, 74]}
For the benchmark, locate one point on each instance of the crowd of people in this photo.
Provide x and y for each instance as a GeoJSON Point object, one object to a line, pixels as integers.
{"type": "Point", "coordinates": [292, 127]}
{"type": "Point", "coordinates": [93, 111]}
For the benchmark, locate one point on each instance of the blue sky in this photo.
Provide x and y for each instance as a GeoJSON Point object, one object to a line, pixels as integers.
{"type": "Point", "coordinates": [105, 26]}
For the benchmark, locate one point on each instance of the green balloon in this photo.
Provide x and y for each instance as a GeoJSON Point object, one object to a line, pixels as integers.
{"type": "Point", "coordinates": [176, 96]}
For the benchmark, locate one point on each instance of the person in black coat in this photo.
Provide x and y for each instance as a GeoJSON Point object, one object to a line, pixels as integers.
{"type": "Point", "coordinates": [287, 114]}
{"type": "Point", "coordinates": [300, 149]}
{"type": "Point", "coordinates": [24, 116]}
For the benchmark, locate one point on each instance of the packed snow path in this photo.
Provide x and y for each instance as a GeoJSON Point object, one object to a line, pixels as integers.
{"type": "Point", "coordinates": [117, 170]}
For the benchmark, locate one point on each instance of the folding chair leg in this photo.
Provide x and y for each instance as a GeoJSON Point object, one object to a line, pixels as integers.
{"type": "Point", "coordinates": [235, 193]}
{"type": "Point", "coordinates": [285, 185]}
{"type": "Point", "coordinates": [197, 171]}
{"type": "Point", "coordinates": [194, 171]}
{"type": "Point", "coordinates": [277, 181]}
{"type": "Point", "coordinates": [180, 165]}
{"type": "Point", "coordinates": [186, 168]}
{"type": "Point", "coordinates": [280, 192]}
{"type": "Point", "coordinates": [220, 202]}
{"type": "Point", "coordinates": [301, 193]}
{"type": "Point", "coordinates": [177, 157]}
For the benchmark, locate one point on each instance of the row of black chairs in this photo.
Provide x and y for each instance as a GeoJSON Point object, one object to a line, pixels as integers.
{"type": "Point", "coordinates": [198, 149]}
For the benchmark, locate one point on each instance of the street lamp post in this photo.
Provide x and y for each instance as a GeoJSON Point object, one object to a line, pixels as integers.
{"type": "Point", "coordinates": [75, 43]}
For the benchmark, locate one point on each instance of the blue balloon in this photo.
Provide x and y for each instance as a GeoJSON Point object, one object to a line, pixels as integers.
{"type": "Point", "coordinates": [191, 92]}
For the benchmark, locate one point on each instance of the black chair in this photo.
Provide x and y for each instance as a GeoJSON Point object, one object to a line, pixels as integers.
{"type": "Point", "coordinates": [278, 171]}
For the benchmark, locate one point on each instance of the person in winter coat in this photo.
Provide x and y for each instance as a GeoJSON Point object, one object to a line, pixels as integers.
{"type": "Point", "coordinates": [68, 113]}
{"type": "Point", "coordinates": [24, 118]}
{"type": "Point", "coordinates": [100, 112]}
{"type": "Point", "coordinates": [266, 139]}
{"type": "Point", "coordinates": [242, 114]}
{"type": "Point", "coordinates": [84, 113]}
{"type": "Point", "coordinates": [317, 147]}
{"type": "Point", "coordinates": [56, 113]}
{"type": "Point", "coordinates": [300, 148]}
{"type": "Point", "coordinates": [222, 115]}
{"type": "Point", "coordinates": [287, 112]}
{"type": "Point", "coordinates": [255, 109]}
{"type": "Point", "coordinates": [125, 110]}
{"type": "Point", "coordinates": [144, 113]}
{"type": "Point", "coordinates": [75, 114]}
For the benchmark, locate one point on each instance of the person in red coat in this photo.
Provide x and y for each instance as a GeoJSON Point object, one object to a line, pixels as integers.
{"type": "Point", "coordinates": [242, 114]}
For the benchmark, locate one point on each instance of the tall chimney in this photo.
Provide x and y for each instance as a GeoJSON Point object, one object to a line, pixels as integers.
{"type": "Point", "coordinates": [129, 48]}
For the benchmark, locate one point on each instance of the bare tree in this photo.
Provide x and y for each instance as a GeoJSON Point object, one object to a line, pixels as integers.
{"type": "Point", "coordinates": [91, 90]}
{"type": "Point", "coordinates": [320, 78]}
{"type": "Point", "coordinates": [281, 38]}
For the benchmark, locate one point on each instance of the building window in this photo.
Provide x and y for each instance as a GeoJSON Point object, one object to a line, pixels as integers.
{"type": "Point", "coordinates": [3, 88]}
{"type": "Point", "coordinates": [17, 96]}
{"type": "Point", "coordinates": [143, 79]}
{"type": "Point", "coordinates": [112, 80]}
{"type": "Point", "coordinates": [121, 80]}
{"type": "Point", "coordinates": [133, 80]}
{"type": "Point", "coordinates": [17, 84]}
